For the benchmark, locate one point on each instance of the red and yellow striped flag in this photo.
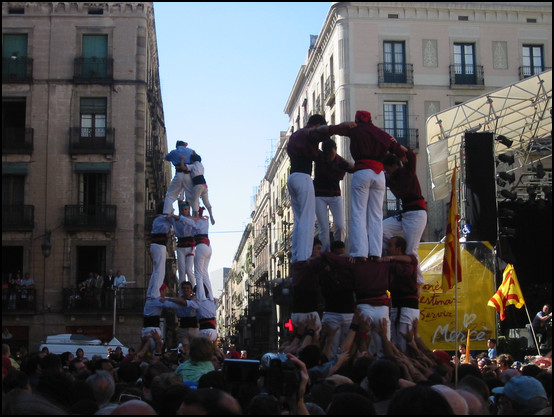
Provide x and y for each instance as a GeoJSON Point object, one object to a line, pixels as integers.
{"type": "Point", "coordinates": [451, 263]}
{"type": "Point", "coordinates": [508, 293]}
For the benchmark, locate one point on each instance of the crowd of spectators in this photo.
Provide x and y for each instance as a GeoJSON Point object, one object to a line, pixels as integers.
{"type": "Point", "coordinates": [301, 378]}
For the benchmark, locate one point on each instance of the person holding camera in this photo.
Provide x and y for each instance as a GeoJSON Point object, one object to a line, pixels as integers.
{"type": "Point", "coordinates": [286, 377]}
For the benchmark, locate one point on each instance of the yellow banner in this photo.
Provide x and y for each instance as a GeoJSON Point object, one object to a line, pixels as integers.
{"type": "Point", "coordinates": [437, 323]}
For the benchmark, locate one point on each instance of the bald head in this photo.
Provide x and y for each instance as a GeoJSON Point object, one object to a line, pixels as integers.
{"type": "Point", "coordinates": [456, 401]}
{"type": "Point", "coordinates": [134, 408]}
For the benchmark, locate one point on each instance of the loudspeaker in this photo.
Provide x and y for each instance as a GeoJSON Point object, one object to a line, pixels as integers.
{"type": "Point", "coordinates": [481, 187]}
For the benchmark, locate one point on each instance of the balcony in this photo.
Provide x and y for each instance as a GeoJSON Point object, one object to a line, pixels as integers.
{"type": "Point", "coordinates": [129, 300]}
{"type": "Point", "coordinates": [93, 70]}
{"type": "Point", "coordinates": [84, 140]}
{"type": "Point", "coordinates": [329, 92]}
{"type": "Point", "coordinates": [527, 71]}
{"type": "Point", "coordinates": [18, 218]}
{"type": "Point", "coordinates": [467, 76]}
{"type": "Point", "coordinates": [18, 301]}
{"type": "Point", "coordinates": [261, 306]}
{"type": "Point", "coordinates": [285, 196]}
{"type": "Point", "coordinates": [406, 137]}
{"type": "Point", "coordinates": [17, 140]}
{"type": "Point", "coordinates": [17, 70]}
{"type": "Point", "coordinates": [90, 217]}
{"type": "Point", "coordinates": [395, 75]}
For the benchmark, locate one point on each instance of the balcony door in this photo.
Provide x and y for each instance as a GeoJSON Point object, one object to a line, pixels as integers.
{"type": "Point", "coordinates": [532, 60]}
{"type": "Point", "coordinates": [396, 121]}
{"type": "Point", "coordinates": [394, 54]}
{"type": "Point", "coordinates": [464, 63]}
{"type": "Point", "coordinates": [95, 54]}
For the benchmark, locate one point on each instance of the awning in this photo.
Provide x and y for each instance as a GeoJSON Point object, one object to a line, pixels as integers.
{"type": "Point", "coordinates": [522, 112]}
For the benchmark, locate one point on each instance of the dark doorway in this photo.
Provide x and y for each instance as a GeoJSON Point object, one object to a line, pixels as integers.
{"type": "Point", "coordinates": [90, 259]}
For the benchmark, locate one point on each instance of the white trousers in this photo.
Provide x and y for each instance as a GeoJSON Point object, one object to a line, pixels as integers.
{"type": "Point", "coordinates": [202, 256]}
{"type": "Point", "coordinates": [376, 314]}
{"type": "Point", "coordinates": [412, 225]}
{"type": "Point", "coordinates": [402, 326]}
{"type": "Point", "coordinates": [336, 206]}
{"type": "Point", "coordinates": [180, 182]}
{"type": "Point", "coordinates": [340, 320]}
{"type": "Point", "coordinates": [200, 191]}
{"type": "Point", "coordinates": [159, 255]}
{"type": "Point", "coordinates": [185, 265]}
{"type": "Point", "coordinates": [366, 213]}
{"type": "Point", "coordinates": [302, 196]}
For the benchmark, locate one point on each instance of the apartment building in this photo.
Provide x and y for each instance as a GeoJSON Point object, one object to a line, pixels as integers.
{"type": "Point", "coordinates": [403, 62]}
{"type": "Point", "coordinates": [83, 142]}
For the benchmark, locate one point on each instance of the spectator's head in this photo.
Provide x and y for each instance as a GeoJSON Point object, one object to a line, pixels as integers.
{"type": "Point", "coordinates": [201, 349]}
{"type": "Point", "coordinates": [418, 399]}
{"type": "Point", "coordinates": [134, 408]}
{"type": "Point", "coordinates": [103, 387]}
{"type": "Point", "coordinates": [263, 404]}
{"type": "Point", "coordinates": [160, 384]}
{"type": "Point", "coordinates": [316, 249]}
{"type": "Point", "coordinates": [382, 377]}
{"type": "Point", "coordinates": [456, 401]}
{"type": "Point", "coordinates": [210, 401]}
{"type": "Point", "coordinates": [350, 403]}
{"type": "Point", "coordinates": [521, 395]}
{"type": "Point", "coordinates": [171, 399]}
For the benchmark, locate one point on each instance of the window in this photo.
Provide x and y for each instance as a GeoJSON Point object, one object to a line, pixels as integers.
{"type": "Point", "coordinates": [13, 190]}
{"type": "Point", "coordinates": [92, 189]}
{"type": "Point", "coordinates": [394, 54]}
{"type": "Point", "coordinates": [14, 57]}
{"type": "Point", "coordinates": [93, 117]}
{"type": "Point", "coordinates": [396, 121]}
{"type": "Point", "coordinates": [532, 60]}
{"type": "Point", "coordinates": [464, 63]}
{"type": "Point", "coordinates": [14, 135]}
{"type": "Point", "coordinates": [95, 56]}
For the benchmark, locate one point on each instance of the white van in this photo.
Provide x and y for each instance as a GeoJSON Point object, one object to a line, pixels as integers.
{"type": "Point", "coordinates": [92, 346]}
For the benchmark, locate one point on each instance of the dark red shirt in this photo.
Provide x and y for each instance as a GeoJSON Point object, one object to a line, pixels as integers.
{"type": "Point", "coordinates": [305, 285]}
{"type": "Point", "coordinates": [404, 184]}
{"type": "Point", "coordinates": [371, 278]}
{"type": "Point", "coordinates": [403, 287]}
{"type": "Point", "coordinates": [328, 175]}
{"type": "Point", "coordinates": [302, 149]}
{"type": "Point", "coordinates": [368, 142]}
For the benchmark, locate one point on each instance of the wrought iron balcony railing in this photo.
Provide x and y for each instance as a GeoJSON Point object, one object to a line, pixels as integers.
{"type": "Point", "coordinates": [400, 75]}
{"type": "Point", "coordinates": [19, 300]}
{"type": "Point", "coordinates": [528, 71]}
{"type": "Point", "coordinates": [90, 217]}
{"type": "Point", "coordinates": [17, 70]}
{"type": "Point", "coordinates": [92, 141]}
{"type": "Point", "coordinates": [406, 137]}
{"type": "Point", "coordinates": [467, 75]}
{"type": "Point", "coordinates": [93, 70]}
{"type": "Point", "coordinates": [18, 218]}
{"type": "Point", "coordinates": [17, 140]}
{"type": "Point", "coordinates": [88, 301]}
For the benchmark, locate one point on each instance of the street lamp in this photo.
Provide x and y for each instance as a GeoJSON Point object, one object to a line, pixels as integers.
{"type": "Point", "coordinates": [46, 245]}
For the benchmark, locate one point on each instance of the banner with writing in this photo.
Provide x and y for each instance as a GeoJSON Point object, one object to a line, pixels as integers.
{"type": "Point", "coordinates": [437, 323]}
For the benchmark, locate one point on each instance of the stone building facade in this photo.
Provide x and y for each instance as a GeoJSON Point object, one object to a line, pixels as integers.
{"type": "Point", "coordinates": [83, 141]}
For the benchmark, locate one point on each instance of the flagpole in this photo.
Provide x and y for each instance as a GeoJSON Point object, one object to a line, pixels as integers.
{"type": "Point", "coordinates": [456, 344]}
{"type": "Point", "coordinates": [533, 331]}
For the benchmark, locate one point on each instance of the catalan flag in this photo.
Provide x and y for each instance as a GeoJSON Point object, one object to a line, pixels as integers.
{"type": "Point", "coordinates": [508, 293]}
{"type": "Point", "coordinates": [451, 263]}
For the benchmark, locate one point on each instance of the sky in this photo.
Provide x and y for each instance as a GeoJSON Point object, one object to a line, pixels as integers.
{"type": "Point", "coordinates": [226, 73]}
